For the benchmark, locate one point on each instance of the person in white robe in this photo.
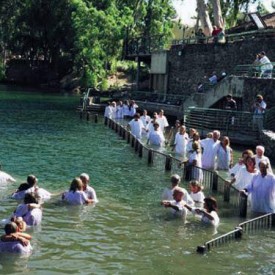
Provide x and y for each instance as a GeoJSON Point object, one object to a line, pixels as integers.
{"type": "Point", "coordinates": [136, 126]}
{"type": "Point", "coordinates": [156, 137]}
{"type": "Point", "coordinates": [260, 156]}
{"type": "Point", "coordinates": [262, 190]}
{"type": "Point", "coordinates": [181, 140]}
{"type": "Point", "coordinates": [162, 121]}
{"type": "Point", "coordinates": [209, 154]}
{"type": "Point", "coordinates": [224, 154]}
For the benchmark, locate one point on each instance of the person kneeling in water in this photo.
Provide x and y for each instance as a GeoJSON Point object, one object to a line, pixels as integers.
{"type": "Point", "coordinates": [176, 205]}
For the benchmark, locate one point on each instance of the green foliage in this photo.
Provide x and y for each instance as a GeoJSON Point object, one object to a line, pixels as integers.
{"type": "Point", "coordinates": [84, 36]}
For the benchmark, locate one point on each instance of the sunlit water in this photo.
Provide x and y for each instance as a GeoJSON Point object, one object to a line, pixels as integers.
{"type": "Point", "coordinates": [127, 232]}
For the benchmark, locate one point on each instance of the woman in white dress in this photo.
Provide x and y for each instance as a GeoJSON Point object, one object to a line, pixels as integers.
{"type": "Point", "coordinates": [181, 141]}
{"type": "Point", "coordinates": [195, 164]}
{"type": "Point", "coordinates": [224, 154]}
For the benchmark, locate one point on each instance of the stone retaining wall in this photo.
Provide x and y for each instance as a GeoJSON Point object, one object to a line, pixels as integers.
{"type": "Point", "coordinates": [268, 141]}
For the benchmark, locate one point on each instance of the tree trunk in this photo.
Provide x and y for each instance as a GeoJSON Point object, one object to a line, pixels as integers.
{"type": "Point", "coordinates": [217, 12]}
{"type": "Point", "coordinates": [204, 17]}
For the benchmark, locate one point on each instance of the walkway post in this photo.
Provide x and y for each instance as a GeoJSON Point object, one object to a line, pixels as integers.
{"type": "Point", "coordinates": [123, 132]}
{"type": "Point", "coordinates": [136, 144]}
{"type": "Point", "coordinates": [214, 181]}
{"type": "Point", "coordinates": [96, 118]}
{"type": "Point", "coordinates": [243, 205]}
{"type": "Point", "coordinates": [168, 163]}
{"type": "Point", "coordinates": [140, 149]}
{"type": "Point", "coordinates": [133, 141]}
{"type": "Point", "coordinates": [150, 156]}
{"type": "Point", "coordinates": [105, 120]}
{"type": "Point", "coordinates": [226, 192]}
{"type": "Point", "coordinates": [87, 116]}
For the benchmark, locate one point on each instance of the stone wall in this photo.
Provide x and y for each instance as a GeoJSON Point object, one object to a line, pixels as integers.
{"type": "Point", "coordinates": [188, 64]}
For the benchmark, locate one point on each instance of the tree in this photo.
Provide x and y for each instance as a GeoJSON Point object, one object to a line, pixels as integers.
{"type": "Point", "coordinates": [217, 13]}
{"type": "Point", "coordinates": [204, 17]}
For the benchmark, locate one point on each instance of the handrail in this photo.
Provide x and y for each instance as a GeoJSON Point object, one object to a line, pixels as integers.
{"type": "Point", "coordinates": [252, 70]}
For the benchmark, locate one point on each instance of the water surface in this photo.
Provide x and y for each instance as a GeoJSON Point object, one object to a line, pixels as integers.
{"type": "Point", "coordinates": [127, 232]}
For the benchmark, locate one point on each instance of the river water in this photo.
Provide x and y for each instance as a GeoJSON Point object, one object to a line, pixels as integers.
{"type": "Point", "coordinates": [127, 232]}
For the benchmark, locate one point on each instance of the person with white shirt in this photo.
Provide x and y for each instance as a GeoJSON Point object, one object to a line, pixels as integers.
{"type": "Point", "coordinates": [266, 66]}
{"type": "Point", "coordinates": [181, 140]}
{"type": "Point", "coordinates": [89, 190]}
{"type": "Point", "coordinates": [259, 110]}
{"type": "Point", "coordinates": [162, 121]}
{"type": "Point", "coordinates": [76, 195]}
{"type": "Point", "coordinates": [156, 137]}
{"type": "Point", "coordinates": [260, 156]}
{"type": "Point", "coordinates": [210, 146]}
{"type": "Point", "coordinates": [136, 126]}
{"type": "Point", "coordinates": [145, 119]}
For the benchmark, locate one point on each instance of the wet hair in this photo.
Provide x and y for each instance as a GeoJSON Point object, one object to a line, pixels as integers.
{"type": "Point", "coordinates": [23, 187]}
{"type": "Point", "coordinates": [175, 179]}
{"type": "Point", "coordinates": [196, 146]}
{"type": "Point", "coordinates": [10, 228]}
{"type": "Point", "coordinates": [30, 198]}
{"type": "Point", "coordinates": [84, 176]}
{"type": "Point", "coordinates": [156, 124]}
{"type": "Point", "coordinates": [211, 204]}
{"type": "Point", "coordinates": [197, 184]}
{"type": "Point", "coordinates": [31, 180]}
{"type": "Point", "coordinates": [226, 138]}
{"type": "Point", "coordinates": [76, 184]}
{"type": "Point", "coordinates": [21, 225]}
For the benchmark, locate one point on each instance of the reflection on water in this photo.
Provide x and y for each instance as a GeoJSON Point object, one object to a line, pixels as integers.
{"type": "Point", "coordinates": [127, 231]}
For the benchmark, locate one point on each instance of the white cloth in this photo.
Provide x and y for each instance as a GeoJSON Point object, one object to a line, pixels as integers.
{"type": "Point", "coordinates": [126, 111]}
{"type": "Point", "coordinates": [265, 64]}
{"type": "Point", "coordinates": [162, 121]}
{"type": "Point", "coordinates": [234, 170]}
{"type": "Point", "coordinates": [15, 247]}
{"type": "Point", "coordinates": [119, 112]}
{"type": "Point", "coordinates": [214, 222]}
{"type": "Point", "coordinates": [266, 159]}
{"type": "Point", "coordinates": [75, 198]}
{"type": "Point", "coordinates": [108, 111]}
{"type": "Point", "coordinates": [145, 121]}
{"type": "Point", "coordinates": [262, 191]}
{"type": "Point", "coordinates": [243, 178]}
{"type": "Point", "coordinates": [209, 153]}
{"type": "Point", "coordinates": [260, 108]}
{"type": "Point", "coordinates": [136, 128]}
{"type": "Point", "coordinates": [198, 198]}
{"type": "Point", "coordinates": [168, 196]}
{"type": "Point", "coordinates": [223, 157]}
{"type": "Point", "coordinates": [180, 144]}
{"type": "Point", "coordinates": [156, 138]}
{"type": "Point", "coordinates": [196, 172]}
{"type": "Point", "coordinates": [5, 178]}
{"type": "Point", "coordinates": [32, 217]}
{"type": "Point", "coordinates": [91, 194]}
{"type": "Point", "coordinates": [182, 212]}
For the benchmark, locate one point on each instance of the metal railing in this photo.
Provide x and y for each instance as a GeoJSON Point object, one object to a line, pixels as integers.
{"type": "Point", "coordinates": [230, 123]}
{"type": "Point", "coordinates": [163, 161]}
{"type": "Point", "coordinates": [264, 222]}
{"type": "Point", "coordinates": [228, 37]}
{"type": "Point", "coordinates": [252, 70]}
{"type": "Point", "coordinates": [269, 121]}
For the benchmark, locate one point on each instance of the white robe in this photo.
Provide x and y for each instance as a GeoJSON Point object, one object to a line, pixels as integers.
{"type": "Point", "coordinates": [180, 144]}
{"type": "Point", "coordinates": [136, 128]}
{"type": "Point", "coordinates": [209, 153]}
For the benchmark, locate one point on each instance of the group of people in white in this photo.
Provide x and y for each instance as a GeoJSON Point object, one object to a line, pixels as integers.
{"type": "Point", "coordinates": [250, 175]}
{"type": "Point", "coordinates": [29, 212]}
{"type": "Point", "coordinates": [183, 203]}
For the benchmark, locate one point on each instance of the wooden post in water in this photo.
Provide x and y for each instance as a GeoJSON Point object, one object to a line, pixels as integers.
{"type": "Point", "coordinates": [116, 127]}
{"type": "Point", "coordinates": [81, 114]}
{"type": "Point", "coordinates": [128, 136]}
{"type": "Point", "coordinates": [136, 145]}
{"type": "Point", "coordinates": [150, 156]}
{"type": "Point", "coordinates": [109, 122]}
{"type": "Point", "coordinates": [226, 192]}
{"type": "Point", "coordinates": [87, 116]}
{"type": "Point", "coordinates": [168, 163]}
{"type": "Point", "coordinates": [214, 181]}
{"type": "Point", "coordinates": [113, 125]}
{"type": "Point", "coordinates": [140, 149]}
{"type": "Point", "coordinates": [133, 141]}
{"type": "Point", "coordinates": [105, 120]}
{"type": "Point", "coordinates": [243, 205]}
{"type": "Point", "coordinates": [123, 132]}
{"type": "Point", "coordinates": [96, 118]}
{"type": "Point", "coordinates": [120, 130]}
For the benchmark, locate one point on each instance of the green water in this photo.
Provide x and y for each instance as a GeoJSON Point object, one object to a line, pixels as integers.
{"type": "Point", "coordinates": [127, 232]}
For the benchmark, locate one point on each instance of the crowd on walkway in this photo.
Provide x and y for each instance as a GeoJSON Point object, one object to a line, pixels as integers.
{"type": "Point", "coordinates": [212, 153]}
